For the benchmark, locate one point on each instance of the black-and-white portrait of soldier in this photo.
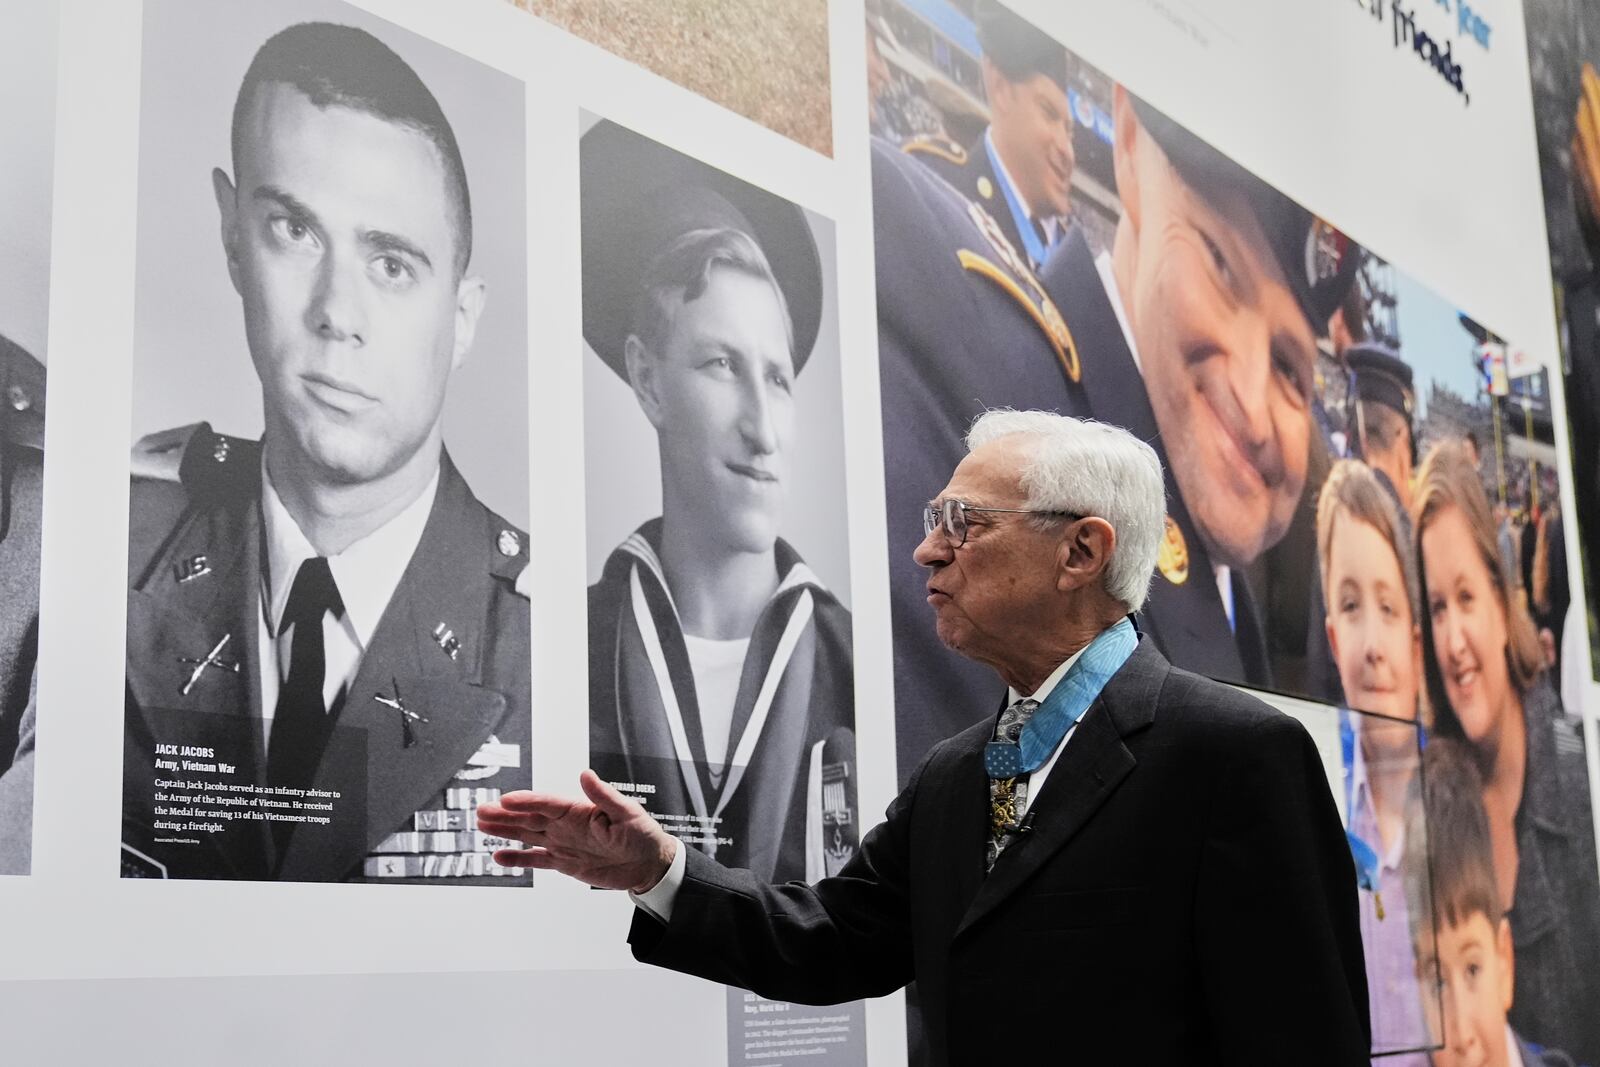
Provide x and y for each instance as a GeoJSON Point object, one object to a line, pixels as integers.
{"type": "Point", "coordinates": [721, 688]}
{"type": "Point", "coordinates": [328, 630]}
{"type": "Point", "coordinates": [27, 137]}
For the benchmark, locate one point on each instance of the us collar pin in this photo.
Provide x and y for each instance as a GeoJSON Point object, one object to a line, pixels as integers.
{"type": "Point", "coordinates": [446, 639]}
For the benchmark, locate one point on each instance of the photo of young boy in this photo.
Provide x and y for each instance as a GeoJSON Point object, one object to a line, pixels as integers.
{"type": "Point", "coordinates": [1473, 960]}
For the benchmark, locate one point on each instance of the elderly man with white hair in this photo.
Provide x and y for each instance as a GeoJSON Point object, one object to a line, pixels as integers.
{"type": "Point", "coordinates": [1126, 863]}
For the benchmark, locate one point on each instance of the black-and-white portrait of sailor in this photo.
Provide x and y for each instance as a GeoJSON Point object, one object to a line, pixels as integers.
{"type": "Point", "coordinates": [721, 687]}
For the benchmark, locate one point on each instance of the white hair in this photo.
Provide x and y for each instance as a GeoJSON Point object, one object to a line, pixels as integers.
{"type": "Point", "coordinates": [1091, 468]}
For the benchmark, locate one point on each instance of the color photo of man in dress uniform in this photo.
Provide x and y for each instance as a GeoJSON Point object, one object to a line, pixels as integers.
{"type": "Point", "coordinates": [720, 678]}
{"type": "Point", "coordinates": [1196, 330]}
{"type": "Point", "coordinates": [328, 656]}
{"type": "Point", "coordinates": [1020, 169]}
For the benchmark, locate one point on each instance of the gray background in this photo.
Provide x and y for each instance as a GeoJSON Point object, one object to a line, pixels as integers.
{"type": "Point", "coordinates": [623, 472]}
{"type": "Point", "coordinates": [27, 142]}
{"type": "Point", "coordinates": [190, 359]}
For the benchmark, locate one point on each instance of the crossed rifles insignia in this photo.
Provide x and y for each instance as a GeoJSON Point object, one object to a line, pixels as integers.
{"type": "Point", "coordinates": [210, 659]}
{"type": "Point", "coordinates": [408, 718]}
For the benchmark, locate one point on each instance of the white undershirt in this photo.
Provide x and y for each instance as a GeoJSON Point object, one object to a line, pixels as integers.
{"type": "Point", "coordinates": [1108, 278]}
{"type": "Point", "coordinates": [658, 900]}
{"type": "Point", "coordinates": [716, 666]}
{"type": "Point", "coordinates": [366, 573]}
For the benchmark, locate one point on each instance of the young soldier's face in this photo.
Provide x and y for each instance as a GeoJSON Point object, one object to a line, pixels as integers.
{"type": "Point", "coordinates": [1475, 975]}
{"type": "Point", "coordinates": [1033, 131]}
{"type": "Point", "coordinates": [340, 240]}
{"type": "Point", "coordinates": [724, 411]}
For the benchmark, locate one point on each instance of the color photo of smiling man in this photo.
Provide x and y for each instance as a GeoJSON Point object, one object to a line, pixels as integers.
{"type": "Point", "coordinates": [328, 654]}
{"type": "Point", "coordinates": [721, 687]}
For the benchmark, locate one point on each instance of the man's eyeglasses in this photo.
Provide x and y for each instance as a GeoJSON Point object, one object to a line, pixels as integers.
{"type": "Point", "coordinates": [951, 516]}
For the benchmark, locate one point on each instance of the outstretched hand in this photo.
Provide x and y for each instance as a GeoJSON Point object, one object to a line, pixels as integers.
{"type": "Point", "coordinates": [607, 841]}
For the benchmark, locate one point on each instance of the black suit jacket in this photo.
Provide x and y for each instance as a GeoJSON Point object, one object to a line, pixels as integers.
{"type": "Point", "coordinates": [1185, 896]}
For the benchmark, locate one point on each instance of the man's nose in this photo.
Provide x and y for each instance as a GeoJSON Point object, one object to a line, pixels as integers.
{"type": "Point", "coordinates": [934, 549]}
{"type": "Point", "coordinates": [337, 309]}
{"type": "Point", "coordinates": [1250, 376]}
{"type": "Point", "coordinates": [755, 419]}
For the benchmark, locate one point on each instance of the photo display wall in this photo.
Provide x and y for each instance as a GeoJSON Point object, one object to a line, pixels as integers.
{"type": "Point", "coordinates": [449, 398]}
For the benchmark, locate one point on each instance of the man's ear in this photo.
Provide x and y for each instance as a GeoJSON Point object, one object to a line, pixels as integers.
{"type": "Point", "coordinates": [472, 294]}
{"type": "Point", "coordinates": [642, 378]}
{"type": "Point", "coordinates": [228, 222]}
{"type": "Point", "coordinates": [1084, 552]}
{"type": "Point", "coordinates": [1127, 155]}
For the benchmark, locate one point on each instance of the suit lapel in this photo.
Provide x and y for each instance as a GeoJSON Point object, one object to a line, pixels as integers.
{"type": "Point", "coordinates": [1093, 764]}
{"type": "Point", "coordinates": [446, 582]}
{"type": "Point", "coordinates": [966, 815]}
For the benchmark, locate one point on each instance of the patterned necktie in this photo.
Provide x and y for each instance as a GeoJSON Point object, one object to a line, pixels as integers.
{"type": "Point", "coordinates": [302, 723]}
{"type": "Point", "coordinates": [1007, 796]}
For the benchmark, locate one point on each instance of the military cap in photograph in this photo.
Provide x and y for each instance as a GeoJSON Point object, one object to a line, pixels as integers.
{"type": "Point", "coordinates": [638, 196]}
{"type": "Point", "coordinates": [1379, 376]}
{"type": "Point", "coordinates": [1018, 48]}
{"type": "Point", "coordinates": [1317, 259]}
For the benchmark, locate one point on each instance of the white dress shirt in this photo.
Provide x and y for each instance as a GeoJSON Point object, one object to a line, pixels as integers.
{"type": "Point", "coordinates": [658, 900]}
{"type": "Point", "coordinates": [366, 573]}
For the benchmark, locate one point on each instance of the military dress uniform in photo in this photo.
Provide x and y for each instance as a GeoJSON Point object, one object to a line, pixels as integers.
{"type": "Point", "coordinates": [965, 325]}
{"type": "Point", "coordinates": [763, 809]}
{"type": "Point", "coordinates": [973, 174]}
{"type": "Point", "coordinates": [21, 496]}
{"type": "Point", "coordinates": [436, 720]}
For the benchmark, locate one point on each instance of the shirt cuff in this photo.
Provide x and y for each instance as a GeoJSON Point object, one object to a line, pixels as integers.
{"type": "Point", "coordinates": [658, 899]}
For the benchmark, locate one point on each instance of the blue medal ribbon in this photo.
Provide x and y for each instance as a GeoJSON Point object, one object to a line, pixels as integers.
{"type": "Point", "coordinates": [1065, 705]}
